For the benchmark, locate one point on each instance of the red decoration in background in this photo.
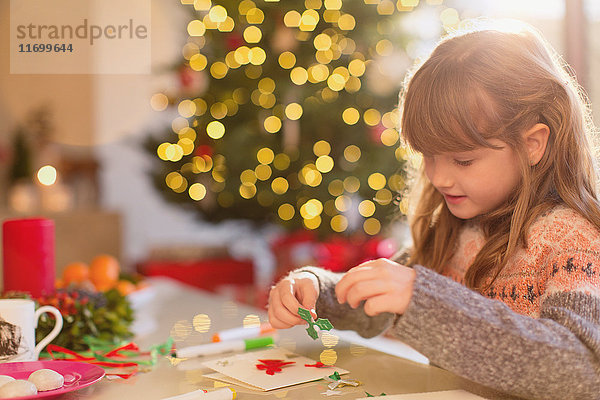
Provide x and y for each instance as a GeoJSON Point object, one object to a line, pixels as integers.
{"type": "Point", "coordinates": [28, 250]}
{"type": "Point", "coordinates": [272, 366]}
{"type": "Point", "coordinates": [192, 81]}
{"type": "Point", "coordinates": [186, 76]}
{"type": "Point", "coordinates": [206, 274]}
{"type": "Point", "coordinates": [204, 150]}
{"type": "Point", "coordinates": [234, 40]}
{"type": "Point", "coordinates": [338, 253]}
{"type": "Point", "coordinates": [375, 133]}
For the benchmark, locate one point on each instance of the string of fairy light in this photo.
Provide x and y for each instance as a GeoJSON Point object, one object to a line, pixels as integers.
{"type": "Point", "coordinates": [329, 45]}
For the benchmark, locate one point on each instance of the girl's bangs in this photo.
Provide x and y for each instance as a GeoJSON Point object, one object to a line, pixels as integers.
{"type": "Point", "coordinates": [444, 112]}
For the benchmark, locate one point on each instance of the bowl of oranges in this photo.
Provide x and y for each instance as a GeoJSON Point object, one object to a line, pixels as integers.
{"type": "Point", "coordinates": [95, 300]}
{"type": "Point", "coordinates": [103, 273]}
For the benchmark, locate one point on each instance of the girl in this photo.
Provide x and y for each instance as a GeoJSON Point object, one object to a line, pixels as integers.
{"type": "Point", "coordinates": [502, 284]}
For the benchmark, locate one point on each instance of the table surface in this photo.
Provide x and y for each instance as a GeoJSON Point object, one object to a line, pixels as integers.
{"type": "Point", "coordinates": [168, 308]}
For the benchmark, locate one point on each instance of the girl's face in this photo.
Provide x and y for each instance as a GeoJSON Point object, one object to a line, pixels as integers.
{"type": "Point", "coordinates": [474, 182]}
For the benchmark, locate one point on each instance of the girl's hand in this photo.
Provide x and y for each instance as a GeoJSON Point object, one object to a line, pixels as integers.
{"type": "Point", "coordinates": [384, 285]}
{"type": "Point", "coordinates": [299, 289]}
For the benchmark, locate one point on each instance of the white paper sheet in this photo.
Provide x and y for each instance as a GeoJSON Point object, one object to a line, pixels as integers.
{"type": "Point", "coordinates": [242, 368]}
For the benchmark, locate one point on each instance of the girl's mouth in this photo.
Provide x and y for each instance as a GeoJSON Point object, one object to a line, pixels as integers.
{"type": "Point", "coordinates": [454, 199]}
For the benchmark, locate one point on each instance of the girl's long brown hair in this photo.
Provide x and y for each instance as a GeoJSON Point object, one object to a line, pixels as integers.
{"type": "Point", "coordinates": [489, 83]}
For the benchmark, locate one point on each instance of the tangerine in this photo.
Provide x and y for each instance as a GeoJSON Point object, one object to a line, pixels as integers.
{"type": "Point", "coordinates": [75, 272]}
{"type": "Point", "coordinates": [125, 287]}
{"type": "Point", "coordinates": [142, 285]}
{"type": "Point", "coordinates": [104, 272]}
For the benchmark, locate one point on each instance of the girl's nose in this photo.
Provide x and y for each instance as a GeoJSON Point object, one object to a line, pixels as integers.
{"type": "Point", "coordinates": [439, 175]}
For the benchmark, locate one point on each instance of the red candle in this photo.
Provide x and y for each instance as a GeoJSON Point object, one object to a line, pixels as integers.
{"type": "Point", "coordinates": [28, 252]}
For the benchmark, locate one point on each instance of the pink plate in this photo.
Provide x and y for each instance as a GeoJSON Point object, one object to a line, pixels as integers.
{"type": "Point", "coordinates": [77, 374]}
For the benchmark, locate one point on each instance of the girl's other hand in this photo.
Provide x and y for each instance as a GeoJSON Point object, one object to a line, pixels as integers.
{"type": "Point", "coordinates": [384, 285]}
{"type": "Point", "coordinates": [298, 289]}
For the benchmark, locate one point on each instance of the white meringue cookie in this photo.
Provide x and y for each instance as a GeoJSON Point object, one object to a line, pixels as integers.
{"type": "Point", "coordinates": [46, 379]}
{"type": "Point", "coordinates": [17, 388]}
{"type": "Point", "coordinates": [5, 379]}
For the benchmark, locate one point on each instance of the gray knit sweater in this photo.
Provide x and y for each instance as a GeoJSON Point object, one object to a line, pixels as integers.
{"type": "Point", "coordinates": [553, 354]}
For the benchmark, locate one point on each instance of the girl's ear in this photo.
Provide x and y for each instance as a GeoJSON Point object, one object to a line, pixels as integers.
{"type": "Point", "coordinates": [536, 139]}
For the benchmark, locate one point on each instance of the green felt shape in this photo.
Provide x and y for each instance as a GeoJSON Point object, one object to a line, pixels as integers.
{"type": "Point", "coordinates": [305, 314]}
{"type": "Point", "coordinates": [335, 376]}
{"type": "Point", "coordinates": [312, 332]}
{"type": "Point", "coordinates": [370, 395]}
{"type": "Point", "coordinates": [322, 323]}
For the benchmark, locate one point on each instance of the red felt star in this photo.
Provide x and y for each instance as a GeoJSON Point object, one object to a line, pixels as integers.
{"type": "Point", "coordinates": [318, 364]}
{"type": "Point", "coordinates": [272, 366]}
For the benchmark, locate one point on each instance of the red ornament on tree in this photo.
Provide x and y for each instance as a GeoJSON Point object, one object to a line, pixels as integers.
{"type": "Point", "coordinates": [192, 82]}
{"type": "Point", "coordinates": [375, 133]}
{"type": "Point", "coordinates": [204, 150]}
{"type": "Point", "coordinates": [234, 40]}
{"type": "Point", "coordinates": [185, 76]}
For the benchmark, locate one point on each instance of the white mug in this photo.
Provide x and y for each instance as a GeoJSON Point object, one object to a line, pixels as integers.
{"type": "Point", "coordinates": [18, 320]}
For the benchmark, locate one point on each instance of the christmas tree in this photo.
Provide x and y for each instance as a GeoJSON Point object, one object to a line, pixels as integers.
{"type": "Point", "coordinates": [283, 116]}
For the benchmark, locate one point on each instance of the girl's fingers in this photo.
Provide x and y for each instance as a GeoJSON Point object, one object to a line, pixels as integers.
{"type": "Point", "coordinates": [279, 315]}
{"type": "Point", "coordinates": [307, 296]}
{"type": "Point", "coordinates": [273, 319]}
{"type": "Point", "coordinates": [384, 294]}
{"type": "Point", "coordinates": [290, 294]}
{"type": "Point", "coordinates": [352, 277]}
{"type": "Point", "coordinates": [366, 289]}
{"type": "Point", "coordinates": [289, 300]}
{"type": "Point", "coordinates": [378, 304]}
{"type": "Point", "coordinates": [382, 284]}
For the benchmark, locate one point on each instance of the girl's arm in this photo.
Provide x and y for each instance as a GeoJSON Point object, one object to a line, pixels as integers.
{"type": "Point", "coordinates": [554, 357]}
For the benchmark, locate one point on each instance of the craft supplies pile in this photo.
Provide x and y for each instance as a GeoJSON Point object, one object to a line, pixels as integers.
{"type": "Point", "coordinates": [259, 364]}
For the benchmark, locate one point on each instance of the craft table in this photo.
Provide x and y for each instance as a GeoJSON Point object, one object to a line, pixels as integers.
{"type": "Point", "coordinates": [169, 308]}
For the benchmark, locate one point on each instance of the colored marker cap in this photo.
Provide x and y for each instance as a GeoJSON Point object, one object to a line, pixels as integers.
{"type": "Point", "coordinates": [258, 342]}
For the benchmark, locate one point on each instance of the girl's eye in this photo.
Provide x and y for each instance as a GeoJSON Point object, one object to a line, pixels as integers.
{"type": "Point", "coordinates": [463, 163]}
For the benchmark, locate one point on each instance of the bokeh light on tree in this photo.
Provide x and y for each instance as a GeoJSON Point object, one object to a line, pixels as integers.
{"type": "Point", "coordinates": [288, 113]}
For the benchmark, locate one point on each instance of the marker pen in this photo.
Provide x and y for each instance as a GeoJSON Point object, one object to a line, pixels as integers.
{"type": "Point", "coordinates": [243, 333]}
{"type": "Point", "coordinates": [219, 394]}
{"type": "Point", "coordinates": [224, 347]}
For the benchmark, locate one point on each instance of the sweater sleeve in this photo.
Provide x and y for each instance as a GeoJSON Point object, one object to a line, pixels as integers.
{"type": "Point", "coordinates": [554, 357]}
{"type": "Point", "coordinates": [342, 316]}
